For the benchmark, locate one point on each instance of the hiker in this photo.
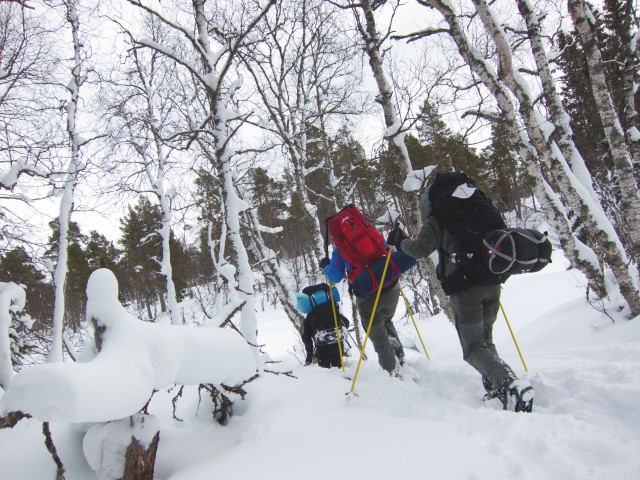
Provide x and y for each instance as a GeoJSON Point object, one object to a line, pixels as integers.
{"type": "Point", "coordinates": [383, 333]}
{"type": "Point", "coordinates": [320, 337]}
{"type": "Point", "coordinates": [475, 301]}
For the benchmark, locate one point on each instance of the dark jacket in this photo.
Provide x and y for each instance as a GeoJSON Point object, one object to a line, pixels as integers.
{"type": "Point", "coordinates": [431, 237]}
{"type": "Point", "coordinates": [319, 328]}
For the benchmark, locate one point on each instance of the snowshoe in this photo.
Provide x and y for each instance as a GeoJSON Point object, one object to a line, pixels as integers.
{"type": "Point", "coordinates": [522, 393]}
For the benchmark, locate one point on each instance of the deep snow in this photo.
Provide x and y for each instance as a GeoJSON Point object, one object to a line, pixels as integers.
{"type": "Point", "coordinates": [432, 423]}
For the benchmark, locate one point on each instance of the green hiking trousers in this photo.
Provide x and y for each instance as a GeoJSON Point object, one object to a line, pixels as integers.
{"type": "Point", "coordinates": [475, 311]}
{"type": "Point", "coordinates": [383, 333]}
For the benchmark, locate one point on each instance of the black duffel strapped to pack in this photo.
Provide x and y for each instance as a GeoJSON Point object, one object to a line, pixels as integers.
{"type": "Point", "coordinates": [488, 251]}
{"type": "Point", "coordinates": [512, 251]}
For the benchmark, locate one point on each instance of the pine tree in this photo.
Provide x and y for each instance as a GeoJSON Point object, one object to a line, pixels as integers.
{"type": "Point", "coordinates": [17, 266]}
{"type": "Point", "coordinates": [101, 253]}
{"type": "Point", "coordinates": [78, 271]}
{"type": "Point", "coordinates": [502, 181]}
{"type": "Point", "coordinates": [358, 175]}
{"type": "Point", "coordinates": [142, 247]}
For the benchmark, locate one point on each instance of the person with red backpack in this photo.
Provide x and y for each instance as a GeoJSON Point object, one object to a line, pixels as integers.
{"type": "Point", "coordinates": [359, 252]}
{"type": "Point", "coordinates": [456, 216]}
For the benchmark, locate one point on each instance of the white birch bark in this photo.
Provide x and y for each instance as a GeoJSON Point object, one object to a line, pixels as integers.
{"type": "Point", "coordinates": [631, 85]}
{"type": "Point", "coordinates": [573, 191]}
{"type": "Point", "coordinates": [395, 134]}
{"type": "Point", "coordinates": [584, 23]}
{"type": "Point", "coordinates": [12, 300]}
{"type": "Point", "coordinates": [156, 169]}
{"type": "Point", "coordinates": [286, 83]}
{"type": "Point", "coordinates": [558, 115]}
{"type": "Point", "coordinates": [213, 140]}
{"type": "Point", "coordinates": [577, 253]}
{"type": "Point", "coordinates": [71, 181]}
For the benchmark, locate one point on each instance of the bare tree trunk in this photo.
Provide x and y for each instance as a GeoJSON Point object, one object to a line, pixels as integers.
{"type": "Point", "coordinates": [66, 201]}
{"type": "Point", "coordinates": [214, 142]}
{"type": "Point", "coordinates": [630, 204]}
{"type": "Point", "coordinates": [631, 81]}
{"type": "Point", "coordinates": [272, 271]}
{"type": "Point", "coordinates": [573, 191]}
{"type": "Point", "coordinates": [577, 253]}
{"type": "Point", "coordinates": [369, 32]}
{"type": "Point", "coordinates": [140, 459]}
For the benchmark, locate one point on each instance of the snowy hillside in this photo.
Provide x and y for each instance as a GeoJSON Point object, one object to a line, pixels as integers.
{"type": "Point", "coordinates": [431, 424]}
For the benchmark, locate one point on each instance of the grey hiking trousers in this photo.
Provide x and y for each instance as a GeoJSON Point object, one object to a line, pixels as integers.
{"type": "Point", "coordinates": [383, 333]}
{"type": "Point", "coordinates": [475, 311]}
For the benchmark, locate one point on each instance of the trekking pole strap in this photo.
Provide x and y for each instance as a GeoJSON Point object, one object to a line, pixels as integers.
{"type": "Point", "coordinates": [414, 322]}
{"type": "Point", "coordinates": [375, 306]}
{"type": "Point", "coordinates": [514, 338]}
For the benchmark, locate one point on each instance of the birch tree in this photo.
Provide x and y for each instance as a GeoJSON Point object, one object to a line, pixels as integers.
{"type": "Point", "coordinates": [29, 133]}
{"type": "Point", "coordinates": [585, 25]}
{"type": "Point", "coordinates": [144, 113]}
{"type": "Point", "coordinates": [631, 59]}
{"type": "Point", "coordinates": [364, 12]}
{"type": "Point", "coordinates": [73, 171]}
{"type": "Point", "coordinates": [549, 155]}
{"type": "Point", "coordinates": [576, 251]}
{"type": "Point", "coordinates": [303, 75]}
{"type": "Point", "coordinates": [579, 190]}
{"type": "Point", "coordinates": [210, 65]}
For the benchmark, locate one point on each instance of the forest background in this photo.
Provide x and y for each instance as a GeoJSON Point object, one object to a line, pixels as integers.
{"type": "Point", "coordinates": [218, 136]}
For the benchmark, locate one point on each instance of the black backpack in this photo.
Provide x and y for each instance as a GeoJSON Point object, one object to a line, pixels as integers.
{"type": "Point", "coordinates": [489, 252]}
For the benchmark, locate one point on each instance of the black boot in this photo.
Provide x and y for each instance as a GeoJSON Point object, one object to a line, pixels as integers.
{"type": "Point", "coordinates": [493, 392]}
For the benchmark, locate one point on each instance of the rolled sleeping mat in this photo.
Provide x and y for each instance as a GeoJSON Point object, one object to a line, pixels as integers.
{"type": "Point", "coordinates": [306, 303]}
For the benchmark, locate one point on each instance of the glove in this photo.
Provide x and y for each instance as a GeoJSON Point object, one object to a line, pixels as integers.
{"type": "Point", "coordinates": [324, 262]}
{"type": "Point", "coordinates": [395, 237]}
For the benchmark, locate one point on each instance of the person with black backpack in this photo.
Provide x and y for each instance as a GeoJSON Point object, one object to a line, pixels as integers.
{"type": "Point", "coordinates": [319, 328]}
{"type": "Point", "coordinates": [456, 216]}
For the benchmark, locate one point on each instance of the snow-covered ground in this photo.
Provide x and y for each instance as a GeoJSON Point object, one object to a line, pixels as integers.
{"type": "Point", "coordinates": [431, 424]}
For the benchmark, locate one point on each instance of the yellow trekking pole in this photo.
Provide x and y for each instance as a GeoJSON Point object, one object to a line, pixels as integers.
{"type": "Point", "coordinates": [514, 338]}
{"type": "Point", "coordinates": [375, 306]}
{"type": "Point", "coordinates": [335, 320]}
{"type": "Point", "coordinates": [414, 322]}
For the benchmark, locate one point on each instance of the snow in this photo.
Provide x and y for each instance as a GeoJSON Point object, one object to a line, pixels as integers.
{"type": "Point", "coordinates": [136, 358]}
{"type": "Point", "coordinates": [12, 300]}
{"type": "Point", "coordinates": [633, 134]}
{"type": "Point", "coordinates": [431, 423]}
{"type": "Point", "coordinates": [104, 445]}
{"type": "Point", "coordinates": [10, 178]}
{"type": "Point", "coordinates": [416, 179]}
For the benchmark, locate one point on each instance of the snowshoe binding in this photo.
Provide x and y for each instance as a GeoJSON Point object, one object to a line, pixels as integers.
{"type": "Point", "coordinates": [516, 395]}
{"type": "Point", "coordinates": [522, 393]}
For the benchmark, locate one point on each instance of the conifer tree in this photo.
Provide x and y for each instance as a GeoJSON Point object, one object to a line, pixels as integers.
{"type": "Point", "coordinates": [358, 176]}
{"type": "Point", "coordinates": [78, 270]}
{"type": "Point", "coordinates": [141, 246]}
{"type": "Point", "coordinates": [17, 266]}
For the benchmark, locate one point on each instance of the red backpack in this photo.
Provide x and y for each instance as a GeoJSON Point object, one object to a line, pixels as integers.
{"type": "Point", "coordinates": [357, 239]}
